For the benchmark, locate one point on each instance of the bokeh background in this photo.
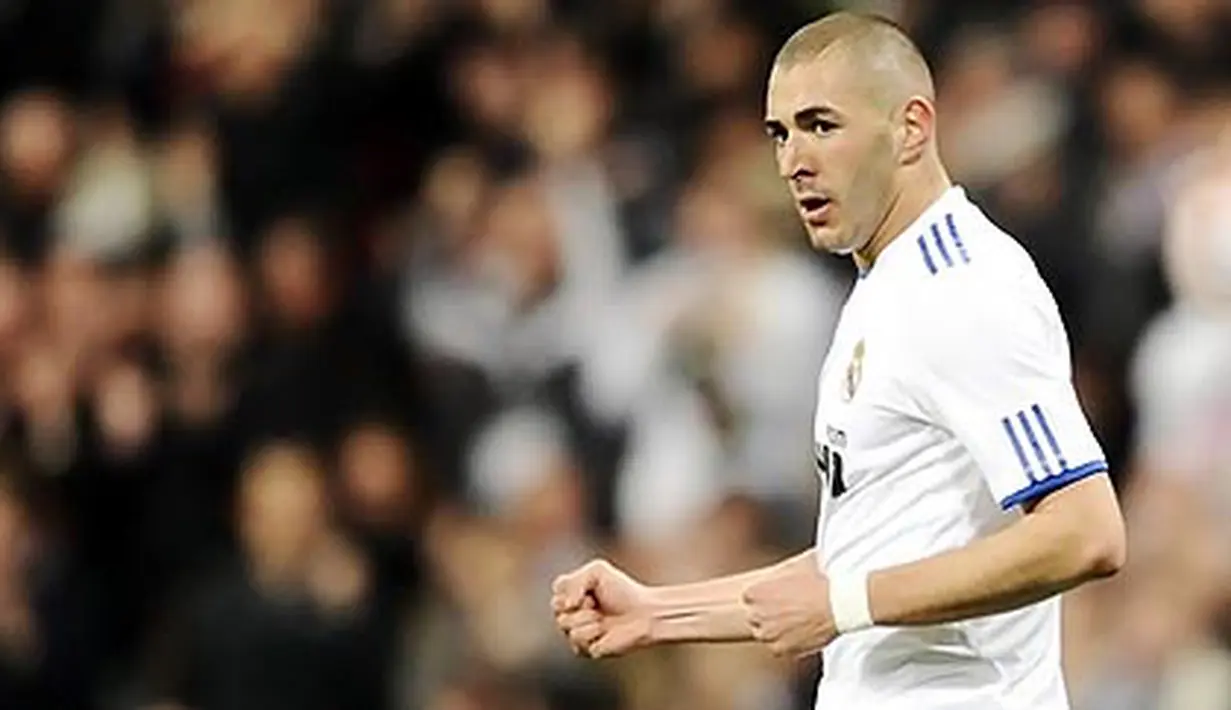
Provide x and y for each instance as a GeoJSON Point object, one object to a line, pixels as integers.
{"type": "Point", "coordinates": [332, 330]}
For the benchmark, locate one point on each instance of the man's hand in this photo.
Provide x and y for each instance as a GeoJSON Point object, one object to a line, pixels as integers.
{"type": "Point", "coordinates": [602, 610]}
{"type": "Point", "coordinates": [790, 613]}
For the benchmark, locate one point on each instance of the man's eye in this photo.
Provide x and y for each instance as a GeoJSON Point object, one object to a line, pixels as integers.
{"type": "Point", "coordinates": [823, 127]}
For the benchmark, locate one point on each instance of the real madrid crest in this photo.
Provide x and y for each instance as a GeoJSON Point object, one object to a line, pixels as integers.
{"type": "Point", "coordinates": [854, 372]}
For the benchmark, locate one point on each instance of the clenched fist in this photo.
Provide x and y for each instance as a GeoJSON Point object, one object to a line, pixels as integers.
{"type": "Point", "coordinates": [602, 610]}
{"type": "Point", "coordinates": [790, 613]}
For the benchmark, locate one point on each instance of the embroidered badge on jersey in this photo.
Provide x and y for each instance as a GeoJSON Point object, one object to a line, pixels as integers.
{"type": "Point", "coordinates": [854, 372]}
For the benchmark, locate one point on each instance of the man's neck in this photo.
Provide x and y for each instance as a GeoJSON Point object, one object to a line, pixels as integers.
{"type": "Point", "coordinates": [906, 206]}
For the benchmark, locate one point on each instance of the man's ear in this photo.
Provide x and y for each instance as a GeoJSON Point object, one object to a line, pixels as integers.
{"type": "Point", "coordinates": [916, 129]}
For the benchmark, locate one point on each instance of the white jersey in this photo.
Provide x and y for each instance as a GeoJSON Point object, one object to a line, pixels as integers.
{"type": "Point", "coordinates": [944, 404]}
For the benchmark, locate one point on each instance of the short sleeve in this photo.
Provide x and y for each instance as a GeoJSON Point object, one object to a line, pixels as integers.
{"type": "Point", "coordinates": [996, 373]}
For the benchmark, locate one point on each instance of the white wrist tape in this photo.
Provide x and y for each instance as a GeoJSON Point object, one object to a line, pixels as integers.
{"type": "Point", "coordinates": [848, 602]}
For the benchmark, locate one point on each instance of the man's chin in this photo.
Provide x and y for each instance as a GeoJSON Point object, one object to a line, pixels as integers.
{"type": "Point", "coordinates": [829, 240]}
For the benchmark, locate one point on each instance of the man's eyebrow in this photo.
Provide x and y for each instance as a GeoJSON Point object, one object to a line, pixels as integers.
{"type": "Point", "coordinates": [810, 113]}
{"type": "Point", "coordinates": [803, 116]}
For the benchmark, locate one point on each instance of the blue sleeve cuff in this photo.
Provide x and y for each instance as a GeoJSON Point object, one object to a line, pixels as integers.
{"type": "Point", "coordinates": [1038, 489]}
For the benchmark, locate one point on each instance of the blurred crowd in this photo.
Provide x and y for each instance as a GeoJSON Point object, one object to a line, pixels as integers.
{"type": "Point", "coordinates": [332, 330]}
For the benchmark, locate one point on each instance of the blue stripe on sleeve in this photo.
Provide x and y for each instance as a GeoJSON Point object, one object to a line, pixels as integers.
{"type": "Point", "coordinates": [1051, 439]}
{"type": "Point", "coordinates": [957, 239]}
{"type": "Point", "coordinates": [1038, 489]}
{"type": "Point", "coordinates": [940, 245]}
{"type": "Point", "coordinates": [1017, 446]}
{"type": "Point", "coordinates": [1034, 443]}
{"type": "Point", "coordinates": [927, 256]}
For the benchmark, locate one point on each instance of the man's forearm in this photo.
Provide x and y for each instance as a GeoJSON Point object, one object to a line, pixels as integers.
{"type": "Point", "coordinates": [711, 610]}
{"type": "Point", "coordinates": [1039, 556]}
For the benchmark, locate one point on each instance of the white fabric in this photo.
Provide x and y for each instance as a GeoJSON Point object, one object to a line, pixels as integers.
{"type": "Point", "coordinates": [945, 402]}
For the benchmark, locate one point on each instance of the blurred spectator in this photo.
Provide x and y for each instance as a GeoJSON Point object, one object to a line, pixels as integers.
{"type": "Point", "coordinates": [107, 211]}
{"type": "Point", "coordinates": [37, 143]}
{"type": "Point", "coordinates": [289, 626]}
{"type": "Point", "coordinates": [185, 172]}
{"type": "Point", "coordinates": [383, 498]}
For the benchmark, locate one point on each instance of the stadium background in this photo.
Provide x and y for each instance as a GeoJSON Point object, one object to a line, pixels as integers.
{"type": "Point", "coordinates": [330, 330]}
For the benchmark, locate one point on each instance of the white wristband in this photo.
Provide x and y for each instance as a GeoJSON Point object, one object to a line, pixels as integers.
{"type": "Point", "coordinates": [848, 602]}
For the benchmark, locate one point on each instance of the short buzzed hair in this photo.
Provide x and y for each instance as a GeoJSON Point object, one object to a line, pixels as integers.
{"type": "Point", "coordinates": [875, 46]}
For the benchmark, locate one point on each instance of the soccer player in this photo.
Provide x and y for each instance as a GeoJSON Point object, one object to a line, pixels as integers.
{"type": "Point", "coordinates": [962, 487]}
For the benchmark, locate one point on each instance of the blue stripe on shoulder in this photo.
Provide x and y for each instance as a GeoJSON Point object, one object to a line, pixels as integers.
{"type": "Point", "coordinates": [957, 238]}
{"type": "Point", "coordinates": [927, 255]}
{"type": "Point", "coordinates": [940, 245]}
{"type": "Point", "coordinates": [943, 241]}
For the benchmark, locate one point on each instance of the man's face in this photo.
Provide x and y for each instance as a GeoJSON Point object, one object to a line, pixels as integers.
{"type": "Point", "coordinates": [834, 143]}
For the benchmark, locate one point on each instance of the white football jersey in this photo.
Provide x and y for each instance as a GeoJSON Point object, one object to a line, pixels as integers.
{"type": "Point", "coordinates": [944, 404]}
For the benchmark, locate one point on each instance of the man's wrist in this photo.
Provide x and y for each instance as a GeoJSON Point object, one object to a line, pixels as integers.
{"type": "Point", "coordinates": [850, 603]}
{"type": "Point", "coordinates": [658, 614]}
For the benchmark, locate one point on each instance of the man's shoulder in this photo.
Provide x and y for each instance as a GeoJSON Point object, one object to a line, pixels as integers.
{"type": "Point", "coordinates": [962, 248]}
{"type": "Point", "coordinates": [998, 306]}
{"type": "Point", "coordinates": [961, 259]}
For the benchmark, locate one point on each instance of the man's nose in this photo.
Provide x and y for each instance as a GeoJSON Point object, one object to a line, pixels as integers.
{"type": "Point", "coordinates": [795, 161]}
